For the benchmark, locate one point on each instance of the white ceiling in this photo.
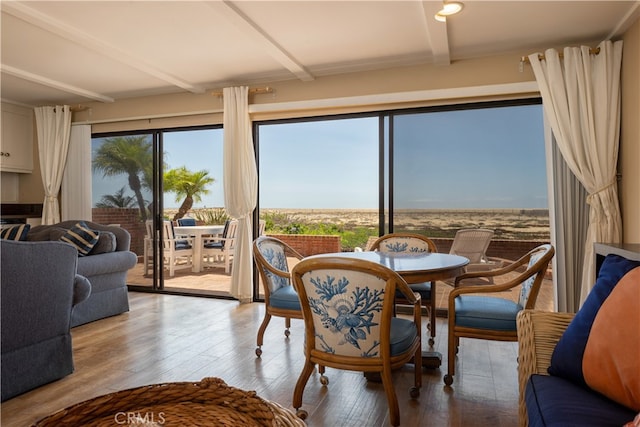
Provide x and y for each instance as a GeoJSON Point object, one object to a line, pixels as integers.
{"type": "Point", "coordinates": [56, 52]}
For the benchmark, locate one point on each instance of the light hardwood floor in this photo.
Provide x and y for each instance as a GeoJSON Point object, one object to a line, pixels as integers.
{"type": "Point", "coordinates": [168, 338]}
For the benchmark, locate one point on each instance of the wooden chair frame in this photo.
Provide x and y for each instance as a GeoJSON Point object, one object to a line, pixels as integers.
{"type": "Point", "coordinates": [428, 304]}
{"type": "Point", "coordinates": [456, 332]}
{"type": "Point", "coordinates": [263, 267]}
{"type": "Point", "coordinates": [385, 363]}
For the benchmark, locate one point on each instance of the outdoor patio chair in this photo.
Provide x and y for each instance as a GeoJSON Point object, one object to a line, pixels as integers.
{"type": "Point", "coordinates": [348, 312]}
{"type": "Point", "coordinates": [176, 253]}
{"type": "Point", "coordinates": [186, 222]}
{"type": "Point", "coordinates": [472, 243]}
{"type": "Point", "coordinates": [473, 313]}
{"type": "Point", "coordinates": [148, 247]}
{"type": "Point", "coordinates": [410, 242]}
{"type": "Point", "coordinates": [220, 250]}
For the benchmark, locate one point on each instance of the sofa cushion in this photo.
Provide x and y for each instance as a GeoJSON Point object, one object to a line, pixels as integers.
{"type": "Point", "coordinates": [611, 357]}
{"type": "Point", "coordinates": [106, 243]}
{"type": "Point", "coordinates": [566, 360]}
{"type": "Point", "coordinates": [553, 401]}
{"type": "Point", "coordinates": [82, 237]}
{"type": "Point", "coordinates": [16, 232]}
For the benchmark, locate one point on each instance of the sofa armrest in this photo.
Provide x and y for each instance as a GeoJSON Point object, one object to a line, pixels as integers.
{"type": "Point", "coordinates": [538, 334]}
{"type": "Point", "coordinates": [81, 289]}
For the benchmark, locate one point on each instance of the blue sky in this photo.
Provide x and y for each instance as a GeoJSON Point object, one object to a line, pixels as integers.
{"type": "Point", "coordinates": [483, 158]}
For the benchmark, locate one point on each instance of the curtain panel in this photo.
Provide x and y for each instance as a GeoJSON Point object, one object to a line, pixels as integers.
{"type": "Point", "coordinates": [240, 186]}
{"type": "Point", "coordinates": [581, 100]}
{"type": "Point", "coordinates": [76, 180]}
{"type": "Point", "coordinates": [53, 128]}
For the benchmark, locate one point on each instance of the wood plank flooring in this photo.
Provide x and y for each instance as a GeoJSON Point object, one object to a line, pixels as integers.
{"type": "Point", "coordinates": [168, 338]}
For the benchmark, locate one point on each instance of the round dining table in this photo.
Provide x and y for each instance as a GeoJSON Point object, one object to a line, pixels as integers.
{"type": "Point", "coordinates": [414, 268]}
{"type": "Point", "coordinates": [198, 232]}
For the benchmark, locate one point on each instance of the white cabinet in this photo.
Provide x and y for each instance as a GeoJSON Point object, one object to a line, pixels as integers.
{"type": "Point", "coordinates": [16, 145]}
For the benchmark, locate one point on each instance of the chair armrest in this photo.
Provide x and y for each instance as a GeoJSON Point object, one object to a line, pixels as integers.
{"type": "Point", "coordinates": [81, 289]}
{"type": "Point", "coordinates": [538, 334]}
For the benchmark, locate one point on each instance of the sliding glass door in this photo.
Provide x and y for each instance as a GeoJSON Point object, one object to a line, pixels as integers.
{"type": "Point", "coordinates": [159, 176]}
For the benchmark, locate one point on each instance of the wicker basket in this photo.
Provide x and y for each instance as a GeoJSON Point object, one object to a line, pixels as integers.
{"type": "Point", "coordinates": [210, 402]}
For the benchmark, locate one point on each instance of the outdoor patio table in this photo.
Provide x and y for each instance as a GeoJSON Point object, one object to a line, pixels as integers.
{"type": "Point", "coordinates": [414, 268]}
{"type": "Point", "coordinates": [198, 232]}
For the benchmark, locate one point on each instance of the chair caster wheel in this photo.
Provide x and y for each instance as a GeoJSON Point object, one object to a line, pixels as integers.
{"type": "Point", "coordinates": [414, 392]}
{"type": "Point", "coordinates": [287, 333]}
{"type": "Point", "coordinates": [258, 352]}
{"type": "Point", "coordinates": [302, 414]}
{"type": "Point", "coordinates": [431, 342]}
{"type": "Point", "coordinates": [324, 380]}
{"type": "Point", "coordinates": [448, 379]}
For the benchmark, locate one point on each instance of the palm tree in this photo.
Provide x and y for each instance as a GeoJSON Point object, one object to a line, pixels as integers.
{"type": "Point", "coordinates": [116, 200]}
{"type": "Point", "coordinates": [187, 184]}
{"type": "Point", "coordinates": [130, 155]}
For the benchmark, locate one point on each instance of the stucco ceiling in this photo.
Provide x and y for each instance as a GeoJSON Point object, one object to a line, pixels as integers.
{"type": "Point", "coordinates": [70, 52]}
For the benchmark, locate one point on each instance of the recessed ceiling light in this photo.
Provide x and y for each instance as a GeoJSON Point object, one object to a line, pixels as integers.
{"type": "Point", "coordinates": [448, 9]}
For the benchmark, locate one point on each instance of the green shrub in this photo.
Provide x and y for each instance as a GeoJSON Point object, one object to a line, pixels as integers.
{"type": "Point", "coordinates": [211, 215]}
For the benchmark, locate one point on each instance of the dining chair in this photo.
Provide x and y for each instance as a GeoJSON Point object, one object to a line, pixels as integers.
{"type": "Point", "coordinates": [272, 257]}
{"type": "Point", "coordinates": [413, 243]}
{"type": "Point", "coordinates": [186, 222]}
{"type": "Point", "coordinates": [348, 311]}
{"type": "Point", "coordinates": [148, 247]}
{"type": "Point", "coordinates": [221, 249]}
{"type": "Point", "coordinates": [478, 312]}
{"type": "Point", "coordinates": [472, 243]}
{"type": "Point", "coordinates": [177, 253]}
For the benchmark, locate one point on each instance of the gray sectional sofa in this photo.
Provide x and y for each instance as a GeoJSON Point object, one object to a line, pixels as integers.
{"type": "Point", "coordinates": [105, 267]}
{"type": "Point", "coordinates": [39, 288]}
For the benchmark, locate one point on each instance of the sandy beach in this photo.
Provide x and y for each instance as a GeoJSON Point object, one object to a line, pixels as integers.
{"type": "Point", "coordinates": [508, 224]}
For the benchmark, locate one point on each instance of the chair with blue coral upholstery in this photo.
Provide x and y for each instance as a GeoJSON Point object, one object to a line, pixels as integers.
{"type": "Point", "coordinates": [348, 311]}
{"type": "Point", "coordinates": [281, 300]}
{"type": "Point", "coordinates": [413, 243]}
{"type": "Point", "coordinates": [477, 312]}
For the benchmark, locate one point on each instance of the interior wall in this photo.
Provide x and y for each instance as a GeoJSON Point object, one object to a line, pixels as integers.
{"type": "Point", "coordinates": [184, 109]}
{"type": "Point", "coordinates": [629, 156]}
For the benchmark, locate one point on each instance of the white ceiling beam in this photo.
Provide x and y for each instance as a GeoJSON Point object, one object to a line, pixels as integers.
{"type": "Point", "coordinates": [436, 33]}
{"type": "Point", "coordinates": [251, 29]}
{"type": "Point", "coordinates": [59, 28]}
{"type": "Point", "coordinates": [45, 81]}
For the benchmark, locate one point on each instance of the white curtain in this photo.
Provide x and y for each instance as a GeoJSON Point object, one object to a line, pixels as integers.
{"type": "Point", "coordinates": [240, 186]}
{"type": "Point", "coordinates": [54, 126]}
{"type": "Point", "coordinates": [581, 99]}
{"type": "Point", "coordinates": [76, 180]}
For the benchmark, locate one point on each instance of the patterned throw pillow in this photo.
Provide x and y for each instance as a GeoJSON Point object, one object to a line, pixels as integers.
{"type": "Point", "coordinates": [17, 232]}
{"type": "Point", "coordinates": [106, 243]}
{"type": "Point", "coordinates": [82, 237]}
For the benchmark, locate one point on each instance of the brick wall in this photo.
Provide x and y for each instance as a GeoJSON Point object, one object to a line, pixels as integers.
{"type": "Point", "coordinates": [129, 219]}
{"type": "Point", "coordinates": [506, 249]}
{"type": "Point", "coordinates": [310, 245]}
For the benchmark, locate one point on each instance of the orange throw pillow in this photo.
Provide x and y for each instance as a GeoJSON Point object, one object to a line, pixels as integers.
{"type": "Point", "coordinates": [611, 362]}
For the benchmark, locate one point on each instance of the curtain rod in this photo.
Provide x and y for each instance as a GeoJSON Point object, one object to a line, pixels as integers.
{"type": "Point", "coordinates": [252, 91]}
{"type": "Point", "coordinates": [525, 59]}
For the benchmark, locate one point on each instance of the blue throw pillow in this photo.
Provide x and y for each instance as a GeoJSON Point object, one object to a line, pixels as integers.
{"type": "Point", "coordinates": [17, 232]}
{"type": "Point", "coordinates": [82, 237]}
{"type": "Point", "coordinates": [566, 360]}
